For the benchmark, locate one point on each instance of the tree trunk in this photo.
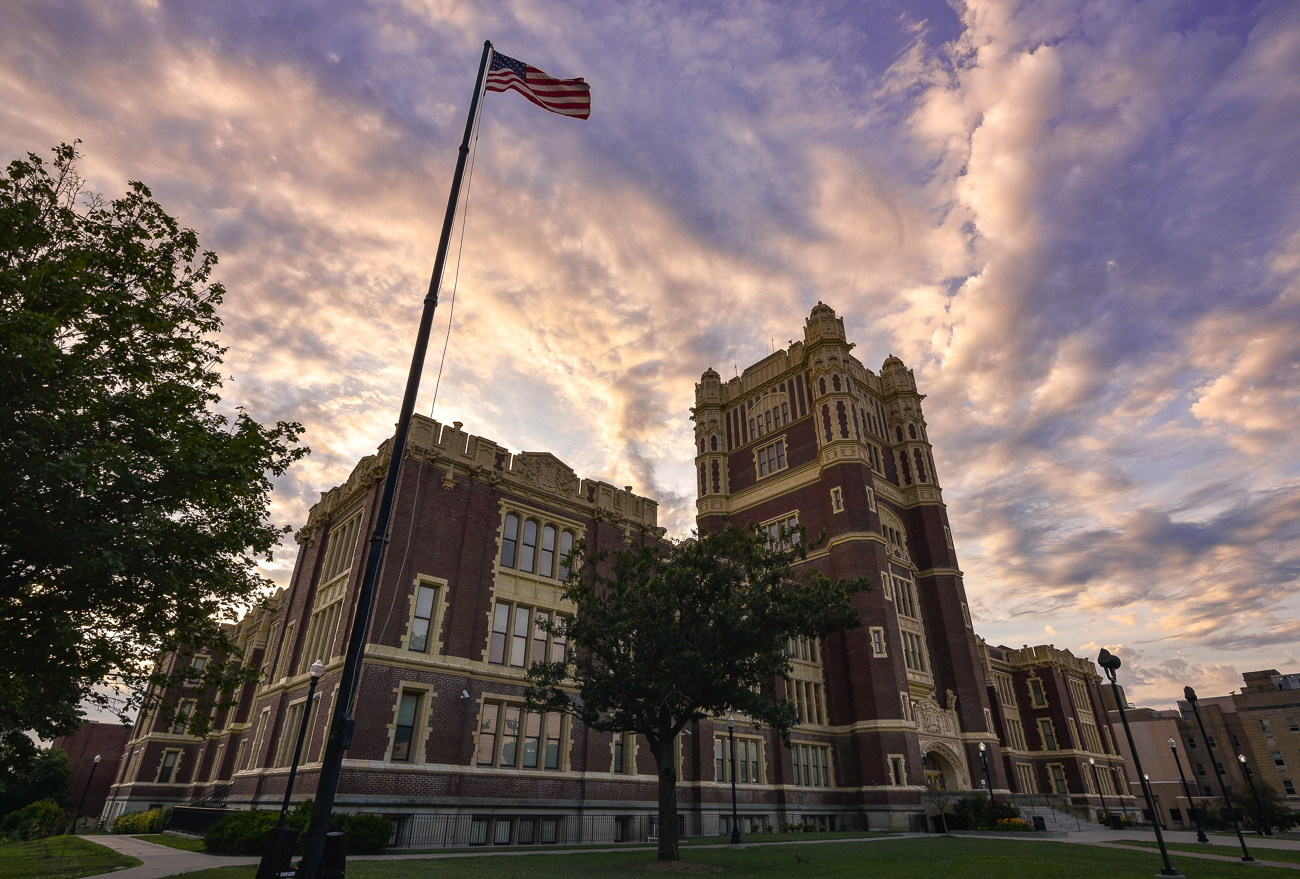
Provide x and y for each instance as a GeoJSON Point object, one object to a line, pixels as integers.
{"type": "Point", "coordinates": [665, 754]}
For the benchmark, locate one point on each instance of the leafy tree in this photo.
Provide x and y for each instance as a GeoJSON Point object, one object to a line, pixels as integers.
{"type": "Point", "coordinates": [132, 511]}
{"type": "Point", "coordinates": [666, 635]}
{"type": "Point", "coordinates": [28, 774]}
{"type": "Point", "coordinates": [937, 796]}
{"type": "Point", "coordinates": [1277, 814]}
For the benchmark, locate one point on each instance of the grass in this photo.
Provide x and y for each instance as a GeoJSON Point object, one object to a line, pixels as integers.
{"type": "Point", "coordinates": [694, 841]}
{"type": "Point", "coordinates": [1258, 852]}
{"type": "Point", "coordinates": [59, 857]}
{"type": "Point", "coordinates": [896, 858]}
{"type": "Point", "coordinates": [184, 843]}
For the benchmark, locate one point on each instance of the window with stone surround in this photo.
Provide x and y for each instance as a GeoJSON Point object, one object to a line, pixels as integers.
{"type": "Point", "coordinates": [877, 641]}
{"type": "Point", "coordinates": [749, 759]}
{"type": "Point", "coordinates": [406, 722]}
{"type": "Point", "coordinates": [323, 626]}
{"type": "Point", "coordinates": [1048, 733]}
{"type": "Point", "coordinates": [781, 533]}
{"type": "Point", "coordinates": [519, 638]}
{"type": "Point", "coordinates": [510, 738]}
{"type": "Point", "coordinates": [1016, 735]}
{"type": "Point", "coordinates": [167, 768]}
{"type": "Point", "coordinates": [770, 459]}
{"type": "Point", "coordinates": [533, 545]}
{"type": "Point", "coordinates": [811, 764]}
{"type": "Point", "coordinates": [914, 652]}
{"type": "Point", "coordinates": [1037, 695]}
{"type": "Point", "coordinates": [808, 701]}
{"type": "Point", "coordinates": [342, 547]}
{"type": "Point", "coordinates": [624, 762]}
{"type": "Point", "coordinates": [423, 616]}
{"type": "Point", "coordinates": [289, 733]}
{"type": "Point", "coordinates": [905, 598]}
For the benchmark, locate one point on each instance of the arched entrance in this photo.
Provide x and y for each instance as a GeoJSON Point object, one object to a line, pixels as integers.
{"type": "Point", "coordinates": [940, 771]}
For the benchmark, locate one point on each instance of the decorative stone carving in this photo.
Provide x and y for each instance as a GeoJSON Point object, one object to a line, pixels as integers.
{"type": "Point", "coordinates": [546, 471]}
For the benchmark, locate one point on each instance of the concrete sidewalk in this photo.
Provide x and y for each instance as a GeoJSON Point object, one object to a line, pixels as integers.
{"type": "Point", "coordinates": [160, 860]}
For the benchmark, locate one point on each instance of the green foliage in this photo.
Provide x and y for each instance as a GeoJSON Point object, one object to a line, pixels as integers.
{"type": "Point", "coordinates": [132, 513]}
{"type": "Point", "coordinates": [1277, 814]}
{"type": "Point", "coordinates": [28, 774]}
{"type": "Point", "coordinates": [60, 857]}
{"type": "Point", "coordinates": [665, 635]}
{"type": "Point", "coordinates": [240, 833]}
{"type": "Point", "coordinates": [153, 821]}
{"type": "Point", "coordinates": [979, 812]}
{"type": "Point", "coordinates": [245, 833]}
{"type": "Point", "coordinates": [35, 820]}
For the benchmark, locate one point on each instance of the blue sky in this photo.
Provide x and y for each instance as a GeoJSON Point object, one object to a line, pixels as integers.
{"type": "Point", "coordinates": [1079, 222]}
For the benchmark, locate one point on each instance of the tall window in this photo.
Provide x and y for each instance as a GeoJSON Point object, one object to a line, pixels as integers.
{"type": "Point", "coordinates": [566, 547]}
{"type": "Point", "coordinates": [408, 709]}
{"type": "Point", "coordinates": [749, 759]}
{"type": "Point", "coordinates": [509, 738]}
{"type": "Point", "coordinates": [424, 605]}
{"type": "Point", "coordinates": [530, 545]}
{"type": "Point", "coordinates": [509, 541]}
{"type": "Point", "coordinates": [914, 652]}
{"type": "Point", "coordinates": [781, 533]}
{"type": "Point", "coordinates": [168, 768]}
{"type": "Point", "coordinates": [528, 551]}
{"type": "Point", "coordinates": [338, 555]}
{"type": "Point", "coordinates": [518, 636]}
{"type": "Point", "coordinates": [1036, 693]}
{"type": "Point", "coordinates": [623, 753]}
{"type": "Point", "coordinates": [323, 626]}
{"type": "Point", "coordinates": [289, 734]}
{"type": "Point", "coordinates": [905, 593]}
{"type": "Point", "coordinates": [811, 765]}
{"type": "Point", "coordinates": [771, 458]}
{"type": "Point", "coordinates": [182, 720]}
{"type": "Point", "coordinates": [1048, 733]}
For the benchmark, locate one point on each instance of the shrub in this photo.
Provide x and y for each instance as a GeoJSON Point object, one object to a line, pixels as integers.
{"type": "Point", "coordinates": [35, 820]}
{"type": "Point", "coordinates": [367, 834]}
{"type": "Point", "coordinates": [1015, 824]}
{"type": "Point", "coordinates": [153, 821]}
{"type": "Point", "coordinates": [240, 833]}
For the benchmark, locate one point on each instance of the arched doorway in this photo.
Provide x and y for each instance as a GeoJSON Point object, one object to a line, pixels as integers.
{"type": "Point", "coordinates": [940, 773]}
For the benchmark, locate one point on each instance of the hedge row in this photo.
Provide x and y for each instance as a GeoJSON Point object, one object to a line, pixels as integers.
{"type": "Point", "coordinates": [245, 833]}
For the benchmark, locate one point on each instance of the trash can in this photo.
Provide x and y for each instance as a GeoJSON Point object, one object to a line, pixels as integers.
{"type": "Point", "coordinates": [278, 853]}
{"type": "Point", "coordinates": [1039, 823]}
{"type": "Point", "coordinates": [1116, 822]}
{"type": "Point", "coordinates": [334, 861]}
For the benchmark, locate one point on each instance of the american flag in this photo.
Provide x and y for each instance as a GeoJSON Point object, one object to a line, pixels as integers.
{"type": "Point", "coordinates": [568, 97]}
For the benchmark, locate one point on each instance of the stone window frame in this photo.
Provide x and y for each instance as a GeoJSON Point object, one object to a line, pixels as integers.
{"type": "Point", "coordinates": [821, 765]}
{"type": "Point", "coordinates": [550, 640]}
{"type": "Point", "coordinates": [1056, 771]}
{"type": "Point", "coordinates": [779, 457]}
{"type": "Point", "coordinates": [947, 537]}
{"type": "Point", "coordinates": [879, 644]}
{"type": "Point", "coordinates": [289, 733]}
{"type": "Point", "coordinates": [339, 558]}
{"type": "Point", "coordinates": [1051, 725]}
{"type": "Point", "coordinates": [1034, 697]}
{"type": "Point", "coordinates": [498, 702]}
{"type": "Point", "coordinates": [564, 527]}
{"type": "Point", "coordinates": [896, 767]}
{"type": "Point", "coordinates": [772, 528]}
{"type": "Point", "coordinates": [174, 769]}
{"type": "Point", "coordinates": [743, 763]}
{"type": "Point", "coordinates": [433, 636]}
{"type": "Point", "coordinates": [627, 766]}
{"type": "Point", "coordinates": [419, 729]}
{"type": "Point", "coordinates": [837, 500]}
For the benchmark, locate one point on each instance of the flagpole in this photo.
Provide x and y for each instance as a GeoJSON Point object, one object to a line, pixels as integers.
{"type": "Point", "coordinates": [340, 736]}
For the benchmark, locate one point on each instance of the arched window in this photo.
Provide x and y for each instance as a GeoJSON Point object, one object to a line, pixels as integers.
{"type": "Point", "coordinates": [546, 561]}
{"type": "Point", "coordinates": [566, 547]}
{"type": "Point", "coordinates": [509, 541]}
{"type": "Point", "coordinates": [529, 550]}
{"type": "Point", "coordinates": [911, 429]}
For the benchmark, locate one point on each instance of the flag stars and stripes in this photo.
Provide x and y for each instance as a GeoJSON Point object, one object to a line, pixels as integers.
{"type": "Point", "coordinates": [568, 97]}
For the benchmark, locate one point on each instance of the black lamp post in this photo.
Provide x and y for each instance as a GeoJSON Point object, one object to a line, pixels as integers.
{"type": "Point", "coordinates": [984, 755]}
{"type": "Point", "coordinates": [1155, 798]}
{"type": "Point", "coordinates": [281, 841]}
{"type": "Point", "coordinates": [1259, 804]}
{"type": "Point", "coordinates": [735, 823]}
{"type": "Point", "coordinates": [1110, 662]}
{"type": "Point", "coordinates": [1097, 778]}
{"type": "Point", "coordinates": [1200, 834]}
{"type": "Point", "coordinates": [1190, 695]}
{"type": "Point", "coordinates": [86, 790]}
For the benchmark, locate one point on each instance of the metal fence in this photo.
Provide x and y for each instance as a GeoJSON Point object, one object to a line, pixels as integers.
{"type": "Point", "coordinates": [459, 831]}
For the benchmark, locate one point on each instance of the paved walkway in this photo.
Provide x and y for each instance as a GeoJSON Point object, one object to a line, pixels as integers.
{"type": "Point", "coordinates": [161, 861]}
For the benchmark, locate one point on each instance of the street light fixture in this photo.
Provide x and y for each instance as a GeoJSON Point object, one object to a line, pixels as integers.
{"type": "Point", "coordinates": [1200, 834]}
{"type": "Point", "coordinates": [281, 842]}
{"type": "Point", "coordinates": [735, 823]}
{"type": "Point", "coordinates": [1190, 695]}
{"type": "Point", "coordinates": [1097, 778]}
{"type": "Point", "coordinates": [988, 781]}
{"type": "Point", "coordinates": [86, 790]}
{"type": "Point", "coordinates": [1259, 804]}
{"type": "Point", "coordinates": [1111, 663]}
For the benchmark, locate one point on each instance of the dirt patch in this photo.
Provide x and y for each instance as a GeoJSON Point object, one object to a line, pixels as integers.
{"type": "Point", "coordinates": [678, 867]}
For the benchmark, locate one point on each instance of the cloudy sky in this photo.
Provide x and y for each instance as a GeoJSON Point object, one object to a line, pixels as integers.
{"type": "Point", "coordinates": [1079, 222]}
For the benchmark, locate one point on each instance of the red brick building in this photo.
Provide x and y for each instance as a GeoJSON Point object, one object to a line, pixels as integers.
{"type": "Point", "coordinates": [442, 745]}
{"type": "Point", "coordinates": [95, 754]}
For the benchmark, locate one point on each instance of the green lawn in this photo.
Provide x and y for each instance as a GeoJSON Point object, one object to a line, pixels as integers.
{"type": "Point", "coordinates": [896, 858]}
{"type": "Point", "coordinates": [60, 857]}
{"type": "Point", "coordinates": [183, 843]}
{"type": "Point", "coordinates": [1258, 852]}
